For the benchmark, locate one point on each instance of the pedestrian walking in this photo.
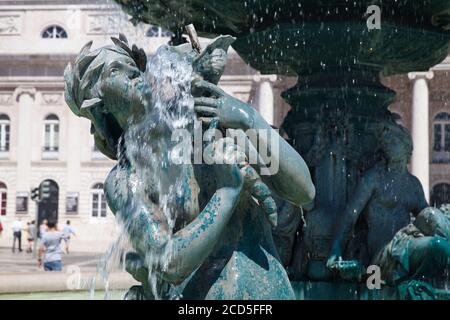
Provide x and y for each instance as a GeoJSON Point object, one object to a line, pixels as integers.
{"type": "Point", "coordinates": [31, 235]}
{"type": "Point", "coordinates": [68, 230]}
{"type": "Point", "coordinates": [17, 234]}
{"type": "Point", "coordinates": [50, 248]}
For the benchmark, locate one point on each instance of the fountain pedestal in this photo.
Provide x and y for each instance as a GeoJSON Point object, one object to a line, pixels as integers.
{"type": "Point", "coordinates": [336, 106]}
{"type": "Point", "coordinates": [333, 124]}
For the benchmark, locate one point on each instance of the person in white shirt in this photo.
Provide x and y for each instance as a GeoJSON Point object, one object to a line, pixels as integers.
{"type": "Point", "coordinates": [68, 230]}
{"type": "Point", "coordinates": [17, 234]}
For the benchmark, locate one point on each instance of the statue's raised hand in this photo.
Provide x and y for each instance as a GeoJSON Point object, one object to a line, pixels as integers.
{"type": "Point", "coordinates": [212, 103]}
{"type": "Point", "coordinates": [225, 151]}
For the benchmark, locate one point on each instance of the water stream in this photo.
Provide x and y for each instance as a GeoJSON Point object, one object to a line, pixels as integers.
{"type": "Point", "coordinates": [155, 188]}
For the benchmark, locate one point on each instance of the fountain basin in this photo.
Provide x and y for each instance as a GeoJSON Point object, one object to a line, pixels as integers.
{"type": "Point", "coordinates": [288, 37]}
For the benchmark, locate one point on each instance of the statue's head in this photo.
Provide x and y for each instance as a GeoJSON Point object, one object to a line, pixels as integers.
{"type": "Point", "coordinates": [106, 86]}
{"type": "Point", "coordinates": [432, 221]}
{"type": "Point", "coordinates": [395, 142]}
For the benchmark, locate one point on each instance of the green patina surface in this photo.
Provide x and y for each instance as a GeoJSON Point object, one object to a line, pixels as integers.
{"type": "Point", "coordinates": [339, 122]}
{"type": "Point", "coordinates": [221, 247]}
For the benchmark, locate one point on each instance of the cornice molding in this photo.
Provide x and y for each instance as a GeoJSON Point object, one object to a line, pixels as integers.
{"type": "Point", "coordinates": [49, 164]}
{"type": "Point", "coordinates": [35, 82]}
{"type": "Point", "coordinates": [52, 2]}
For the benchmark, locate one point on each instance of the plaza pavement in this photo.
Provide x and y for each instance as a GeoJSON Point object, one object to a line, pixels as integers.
{"type": "Point", "coordinates": [22, 262]}
{"type": "Point", "coordinates": [19, 273]}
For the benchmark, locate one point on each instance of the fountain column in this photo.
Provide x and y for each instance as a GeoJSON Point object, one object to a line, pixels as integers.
{"type": "Point", "coordinates": [420, 160]}
{"type": "Point", "coordinates": [265, 98]}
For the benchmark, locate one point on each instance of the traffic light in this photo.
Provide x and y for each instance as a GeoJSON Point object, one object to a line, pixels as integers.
{"type": "Point", "coordinates": [35, 194]}
{"type": "Point", "coordinates": [44, 190]}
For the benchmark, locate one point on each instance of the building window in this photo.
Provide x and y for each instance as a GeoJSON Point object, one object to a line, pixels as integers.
{"type": "Point", "coordinates": [3, 197]}
{"type": "Point", "coordinates": [4, 134]}
{"type": "Point", "coordinates": [54, 32]}
{"type": "Point", "coordinates": [98, 201]}
{"type": "Point", "coordinates": [441, 137]}
{"type": "Point", "coordinates": [440, 194]}
{"type": "Point", "coordinates": [51, 137]}
{"type": "Point", "coordinates": [155, 31]}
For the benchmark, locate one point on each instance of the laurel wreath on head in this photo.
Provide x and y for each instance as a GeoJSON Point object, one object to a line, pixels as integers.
{"type": "Point", "coordinates": [82, 86]}
{"type": "Point", "coordinates": [81, 90]}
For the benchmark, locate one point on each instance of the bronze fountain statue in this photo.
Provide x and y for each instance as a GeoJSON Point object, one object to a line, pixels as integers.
{"type": "Point", "coordinates": [223, 231]}
{"type": "Point", "coordinates": [220, 245]}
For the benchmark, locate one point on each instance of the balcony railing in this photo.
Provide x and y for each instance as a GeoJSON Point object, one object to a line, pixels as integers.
{"type": "Point", "coordinates": [50, 153]}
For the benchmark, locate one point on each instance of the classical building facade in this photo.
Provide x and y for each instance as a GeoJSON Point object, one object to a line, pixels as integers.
{"type": "Point", "coordinates": [41, 140]}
